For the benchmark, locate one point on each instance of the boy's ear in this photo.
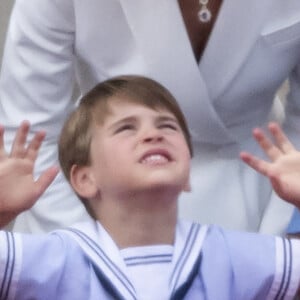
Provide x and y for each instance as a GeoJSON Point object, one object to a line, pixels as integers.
{"type": "Point", "coordinates": [82, 181]}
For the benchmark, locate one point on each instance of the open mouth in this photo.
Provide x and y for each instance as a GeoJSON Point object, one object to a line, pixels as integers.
{"type": "Point", "coordinates": [156, 157]}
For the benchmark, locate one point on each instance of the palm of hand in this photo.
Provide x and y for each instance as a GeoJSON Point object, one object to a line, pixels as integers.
{"type": "Point", "coordinates": [283, 169]}
{"type": "Point", "coordinates": [18, 188]}
{"type": "Point", "coordinates": [285, 177]}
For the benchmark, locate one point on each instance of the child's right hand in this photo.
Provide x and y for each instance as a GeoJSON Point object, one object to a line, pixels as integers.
{"type": "Point", "coordinates": [283, 169]}
{"type": "Point", "coordinates": [18, 189]}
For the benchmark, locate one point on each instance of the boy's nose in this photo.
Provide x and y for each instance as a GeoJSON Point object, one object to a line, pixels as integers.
{"type": "Point", "coordinates": [153, 135]}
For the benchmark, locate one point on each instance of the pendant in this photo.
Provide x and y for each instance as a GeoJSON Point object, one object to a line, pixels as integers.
{"type": "Point", "coordinates": [204, 15]}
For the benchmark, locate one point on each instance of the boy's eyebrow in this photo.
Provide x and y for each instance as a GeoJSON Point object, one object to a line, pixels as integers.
{"type": "Point", "coordinates": [167, 118]}
{"type": "Point", "coordinates": [121, 121]}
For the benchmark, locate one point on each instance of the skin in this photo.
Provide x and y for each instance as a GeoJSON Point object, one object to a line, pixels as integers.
{"type": "Point", "coordinates": [283, 168]}
{"type": "Point", "coordinates": [140, 164]}
{"type": "Point", "coordinates": [19, 189]}
{"type": "Point", "coordinates": [153, 211]}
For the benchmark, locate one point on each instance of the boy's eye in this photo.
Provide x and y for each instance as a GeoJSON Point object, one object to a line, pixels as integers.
{"type": "Point", "coordinates": [124, 128]}
{"type": "Point", "coordinates": [172, 126]}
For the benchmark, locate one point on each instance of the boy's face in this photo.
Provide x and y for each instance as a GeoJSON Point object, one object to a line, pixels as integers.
{"type": "Point", "coordinates": [138, 148]}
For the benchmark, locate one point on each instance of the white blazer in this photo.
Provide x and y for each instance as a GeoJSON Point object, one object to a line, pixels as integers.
{"type": "Point", "coordinates": [253, 48]}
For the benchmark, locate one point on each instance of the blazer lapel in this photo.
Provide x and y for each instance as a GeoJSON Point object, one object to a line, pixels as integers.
{"type": "Point", "coordinates": [160, 27]}
{"type": "Point", "coordinates": [231, 41]}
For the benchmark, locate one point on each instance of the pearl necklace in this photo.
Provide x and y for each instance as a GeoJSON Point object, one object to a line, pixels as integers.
{"type": "Point", "coordinates": [204, 14]}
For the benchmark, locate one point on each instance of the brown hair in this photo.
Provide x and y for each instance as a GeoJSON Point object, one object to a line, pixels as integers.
{"type": "Point", "coordinates": [75, 138]}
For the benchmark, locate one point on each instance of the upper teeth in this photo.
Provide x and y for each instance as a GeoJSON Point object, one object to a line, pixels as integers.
{"type": "Point", "coordinates": [155, 158]}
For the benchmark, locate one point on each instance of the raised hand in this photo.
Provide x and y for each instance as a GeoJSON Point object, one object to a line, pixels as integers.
{"type": "Point", "coordinates": [18, 188]}
{"type": "Point", "coordinates": [283, 169]}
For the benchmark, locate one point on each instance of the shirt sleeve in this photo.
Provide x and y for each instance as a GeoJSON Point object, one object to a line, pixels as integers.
{"type": "Point", "coordinates": [41, 267]}
{"type": "Point", "coordinates": [251, 266]}
{"type": "Point", "coordinates": [36, 83]}
{"type": "Point", "coordinates": [287, 276]}
{"type": "Point", "coordinates": [10, 264]}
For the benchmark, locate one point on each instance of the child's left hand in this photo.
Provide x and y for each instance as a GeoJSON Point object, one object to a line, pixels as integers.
{"type": "Point", "coordinates": [283, 169]}
{"type": "Point", "coordinates": [18, 189]}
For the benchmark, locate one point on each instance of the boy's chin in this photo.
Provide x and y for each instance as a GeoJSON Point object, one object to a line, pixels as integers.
{"type": "Point", "coordinates": [168, 186]}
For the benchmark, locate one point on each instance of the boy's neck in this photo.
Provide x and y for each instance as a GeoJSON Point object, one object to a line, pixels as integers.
{"type": "Point", "coordinates": [140, 219]}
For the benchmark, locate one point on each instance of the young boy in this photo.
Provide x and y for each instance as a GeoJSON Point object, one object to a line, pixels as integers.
{"type": "Point", "coordinates": [126, 151]}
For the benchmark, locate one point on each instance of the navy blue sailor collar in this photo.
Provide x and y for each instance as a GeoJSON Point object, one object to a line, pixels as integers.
{"type": "Point", "coordinates": [110, 267]}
